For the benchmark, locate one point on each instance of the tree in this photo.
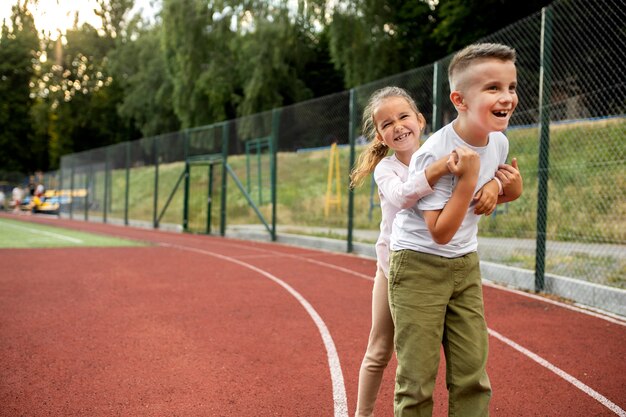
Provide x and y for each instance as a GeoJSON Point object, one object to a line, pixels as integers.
{"type": "Point", "coordinates": [141, 71]}
{"type": "Point", "coordinates": [187, 25]}
{"type": "Point", "coordinates": [79, 88]}
{"type": "Point", "coordinates": [18, 52]}
{"type": "Point", "coordinates": [461, 22]}
{"type": "Point", "coordinates": [373, 39]}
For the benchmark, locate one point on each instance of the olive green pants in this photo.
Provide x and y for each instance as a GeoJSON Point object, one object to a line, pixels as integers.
{"type": "Point", "coordinates": [436, 300]}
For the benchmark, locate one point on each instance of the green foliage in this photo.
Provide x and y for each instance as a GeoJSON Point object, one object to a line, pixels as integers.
{"type": "Point", "coordinates": [140, 68]}
{"type": "Point", "coordinates": [373, 39]}
{"type": "Point", "coordinates": [206, 61]}
{"type": "Point", "coordinates": [18, 50]}
{"type": "Point", "coordinates": [461, 22]}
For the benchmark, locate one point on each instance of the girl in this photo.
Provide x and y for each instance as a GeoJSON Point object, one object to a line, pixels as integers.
{"type": "Point", "coordinates": [391, 120]}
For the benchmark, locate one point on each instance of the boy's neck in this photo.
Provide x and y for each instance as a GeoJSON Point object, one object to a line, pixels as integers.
{"type": "Point", "coordinates": [470, 135]}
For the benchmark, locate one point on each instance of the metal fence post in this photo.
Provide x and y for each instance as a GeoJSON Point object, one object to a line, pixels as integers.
{"type": "Point", "coordinates": [127, 190]}
{"type": "Point", "coordinates": [186, 199]}
{"type": "Point", "coordinates": [225, 138]}
{"type": "Point", "coordinates": [544, 146]}
{"type": "Point", "coordinates": [106, 186]}
{"type": "Point", "coordinates": [274, 167]}
{"type": "Point", "coordinates": [89, 179]}
{"type": "Point", "coordinates": [155, 145]}
{"type": "Point", "coordinates": [186, 186]}
{"type": "Point", "coordinates": [437, 122]}
{"type": "Point", "coordinates": [72, 188]}
{"type": "Point", "coordinates": [351, 125]}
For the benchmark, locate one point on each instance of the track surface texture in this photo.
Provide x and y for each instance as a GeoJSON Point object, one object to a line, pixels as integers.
{"type": "Point", "coordinates": [207, 326]}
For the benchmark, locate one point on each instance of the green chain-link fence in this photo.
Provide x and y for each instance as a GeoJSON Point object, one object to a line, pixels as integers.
{"type": "Point", "coordinates": [565, 235]}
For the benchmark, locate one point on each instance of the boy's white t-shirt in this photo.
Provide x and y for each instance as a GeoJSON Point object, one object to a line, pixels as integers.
{"type": "Point", "coordinates": [395, 191]}
{"type": "Point", "coordinates": [409, 229]}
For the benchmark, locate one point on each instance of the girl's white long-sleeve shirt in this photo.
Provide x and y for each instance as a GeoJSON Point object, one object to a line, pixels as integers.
{"type": "Point", "coordinates": [396, 191]}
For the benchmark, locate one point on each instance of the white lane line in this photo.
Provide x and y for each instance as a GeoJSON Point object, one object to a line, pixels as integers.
{"type": "Point", "coordinates": [43, 232]}
{"type": "Point", "coordinates": [588, 390]}
{"type": "Point", "coordinates": [578, 384]}
{"type": "Point", "coordinates": [339, 390]}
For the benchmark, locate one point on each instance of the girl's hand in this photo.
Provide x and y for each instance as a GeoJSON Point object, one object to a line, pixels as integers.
{"type": "Point", "coordinates": [511, 179]}
{"type": "Point", "coordinates": [486, 199]}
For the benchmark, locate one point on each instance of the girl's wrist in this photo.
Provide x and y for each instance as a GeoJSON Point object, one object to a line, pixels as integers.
{"type": "Point", "coordinates": [500, 188]}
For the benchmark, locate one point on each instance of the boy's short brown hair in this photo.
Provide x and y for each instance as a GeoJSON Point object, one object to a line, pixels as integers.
{"type": "Point", "coordinates": [472, 53]}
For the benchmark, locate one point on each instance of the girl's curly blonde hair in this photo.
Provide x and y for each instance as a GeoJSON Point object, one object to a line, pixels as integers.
{"type": "Point", "coordinates": [376, 149]}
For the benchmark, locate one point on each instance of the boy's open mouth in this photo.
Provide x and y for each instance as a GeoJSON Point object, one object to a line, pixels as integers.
{"type": "Point", "coordinates": [501, 113]}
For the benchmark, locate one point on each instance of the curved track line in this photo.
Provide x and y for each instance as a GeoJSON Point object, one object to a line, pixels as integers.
{"type": "Point", "coordinates": [569, 378]}
{"type": "Point", "coordinates": [578, 384]}
{"type": "Point", "coordinates": [339, 390]}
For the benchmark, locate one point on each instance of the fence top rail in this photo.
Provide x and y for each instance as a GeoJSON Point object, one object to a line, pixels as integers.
{"type": "Point", "coordinates": [214, 158]}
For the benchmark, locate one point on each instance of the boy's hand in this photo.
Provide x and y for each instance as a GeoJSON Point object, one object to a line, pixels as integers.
{"type": "Point", "coordinates": [486, 198]}
{"type": "Point", "coordinates": [463, 161]}
{"type": "Point", "coordinates": [511, 179]}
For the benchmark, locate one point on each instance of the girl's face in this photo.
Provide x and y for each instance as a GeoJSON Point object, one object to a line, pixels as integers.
{"type": "Point", "coordinates": [397, 125]}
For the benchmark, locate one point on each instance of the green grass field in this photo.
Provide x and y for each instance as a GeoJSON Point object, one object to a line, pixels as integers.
{"type": "Point", "coordinates": [23, 235]}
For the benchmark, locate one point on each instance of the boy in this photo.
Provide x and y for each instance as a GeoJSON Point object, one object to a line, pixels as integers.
{"type": "Point", "coordinates": [435, 290]}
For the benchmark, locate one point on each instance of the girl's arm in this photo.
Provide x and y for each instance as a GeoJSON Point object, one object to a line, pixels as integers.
{"type": "Point", "coordinates": [406, 194]}
{"type": "Point", "coordinates": [487, 198]}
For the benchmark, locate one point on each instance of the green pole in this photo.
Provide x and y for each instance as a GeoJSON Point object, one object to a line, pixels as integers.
{"type": "Point", "coordinates": [209, 200]}
{"type": "Point", "coordinates": [248, 166]}
{"type": "Point", "coordinates": [351, 131]}
{"type": "Point", "coordinates": [273, 151]}
{"type": "Point", "coordinates": [155, 222]}
{"type": "Point", "coordinates": [186, 200]}
{"type": "Point", "coordinates": [61, 187]}
{"type": "Point", "coordinates": [225, 138]}
{"type": "Point", "coordinates": [544, 146]}
{"type": "Point", "coordinates": [87, 180]}
{"type": "Point", "coordinates": [106, 185]}
{"type": "Point", "coordinates": [437, 122]}
{"type": "Point", "coordinates": [186, 140]}
{"type": "Point", "coordinates": [258, 170]}
{"type": "Point", "coordinates": [72, 188]}
{"type": "Point", "coordinates": [127, 190]}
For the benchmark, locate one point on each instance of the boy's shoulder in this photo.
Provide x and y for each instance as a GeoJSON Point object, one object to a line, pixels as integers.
{"type": "Point", "coordinates": [499, 140]}
{"type": "Point", "coordinates": [442, 141]}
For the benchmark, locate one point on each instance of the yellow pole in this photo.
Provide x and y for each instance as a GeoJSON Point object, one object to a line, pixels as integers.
{"type": "Point", "coordinates": [333, 171]}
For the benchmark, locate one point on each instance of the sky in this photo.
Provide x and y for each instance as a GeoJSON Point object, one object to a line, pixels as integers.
{"type": "Point", "coordinates": [52, 15]}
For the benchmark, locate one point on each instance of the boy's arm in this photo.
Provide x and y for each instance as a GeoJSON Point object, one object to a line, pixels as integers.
{"type": "Point", "coordinates": [512, 184]}
{"type": "Point", "coordinates": [443, 224]}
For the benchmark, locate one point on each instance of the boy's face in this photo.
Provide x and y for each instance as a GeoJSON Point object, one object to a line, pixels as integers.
{"type": "Point", "coordinates": [397, 124]}
{"type": "Point", "coordinates": [488, 94]}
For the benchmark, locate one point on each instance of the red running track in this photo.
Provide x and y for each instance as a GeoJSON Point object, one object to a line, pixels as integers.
{"type": "Point", "coordinates": [208, 326]}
